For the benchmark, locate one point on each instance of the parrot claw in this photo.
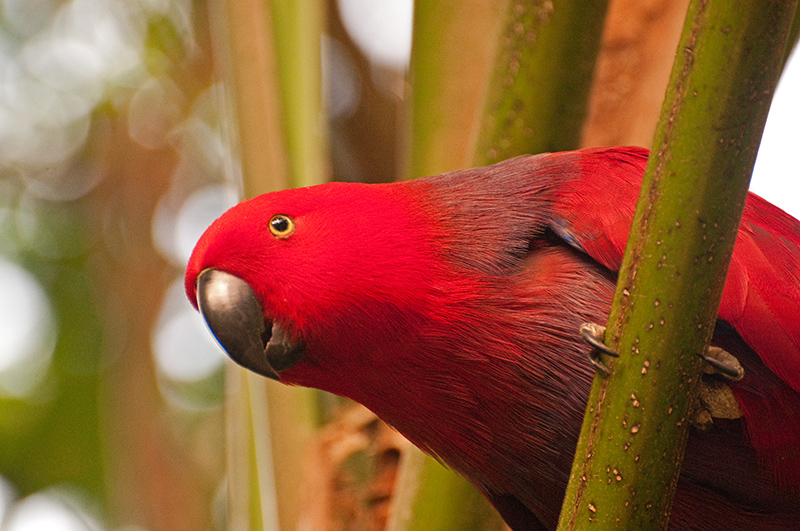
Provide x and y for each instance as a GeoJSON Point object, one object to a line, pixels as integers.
{"type": "Point", "coordinates": [722, 362]}
{"type": "Point", "coordinates": [594, 334]}
{"type": "Point", "coordinates": [719, 361]}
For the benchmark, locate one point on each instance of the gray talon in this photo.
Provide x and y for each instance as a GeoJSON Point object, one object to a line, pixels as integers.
{"type": "Point", "coordinates": [719, 361]}
{"type": "Point", "coordinates": [724, 363]}
{"type": "Point", "coordinates": [594, 334]}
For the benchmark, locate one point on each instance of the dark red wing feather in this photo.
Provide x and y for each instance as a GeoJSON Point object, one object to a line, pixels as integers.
{"type": "Point", "coordinates": [762, 294]}
{"type": "Point", "coordinates": [761, 299]}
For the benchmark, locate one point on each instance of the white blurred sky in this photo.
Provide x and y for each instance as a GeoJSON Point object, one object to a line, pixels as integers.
{"type": "Point", "coordinates": [776, 176]}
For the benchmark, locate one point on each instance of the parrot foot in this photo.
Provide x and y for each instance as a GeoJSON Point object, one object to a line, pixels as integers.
{"type": "Point", "coordinates": [716, 400]}
{"type": "Point", "coordinates": [722, 362]}
{"type": "Point", "coordinates": [718, 361]}
{"type": "Point", "coordinates": [594, 334]}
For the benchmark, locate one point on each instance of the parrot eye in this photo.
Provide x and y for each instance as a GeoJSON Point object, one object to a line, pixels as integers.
{"type": "Point", "coordinates": [281, 226]}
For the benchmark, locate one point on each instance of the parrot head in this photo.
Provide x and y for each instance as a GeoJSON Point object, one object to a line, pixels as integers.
{"type": "Point", "coordinates": [287, 279]}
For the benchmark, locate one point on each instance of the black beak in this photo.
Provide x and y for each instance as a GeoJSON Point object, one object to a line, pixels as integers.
{"type": "Point", "coordinates": [234, 315]}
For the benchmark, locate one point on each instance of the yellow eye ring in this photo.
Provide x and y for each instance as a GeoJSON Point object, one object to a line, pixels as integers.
{"type": "Point", "coordinates": [281, 226]}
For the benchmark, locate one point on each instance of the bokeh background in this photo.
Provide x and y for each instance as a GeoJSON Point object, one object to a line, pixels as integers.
{"type": "Point", "coordinates": [116, 152]}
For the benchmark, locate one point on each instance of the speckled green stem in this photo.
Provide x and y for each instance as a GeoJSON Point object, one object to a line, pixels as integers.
{"type": "Point", "coordinates": [537, 97]}
{"type": "Point", "coordinates": [633, 437]}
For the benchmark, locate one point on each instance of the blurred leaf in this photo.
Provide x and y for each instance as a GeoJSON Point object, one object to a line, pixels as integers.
{"type": "Point", "coordinates": [163, 38]}
{"type": "Point", "coordinates": [58, 428]}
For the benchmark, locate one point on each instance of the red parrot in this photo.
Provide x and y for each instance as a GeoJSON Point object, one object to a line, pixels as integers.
{"type": "Point", "coordinates": [450, 306]}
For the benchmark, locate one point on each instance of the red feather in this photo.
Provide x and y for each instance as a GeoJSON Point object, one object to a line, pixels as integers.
{"type": "Point", "coordinates": [450, 306]}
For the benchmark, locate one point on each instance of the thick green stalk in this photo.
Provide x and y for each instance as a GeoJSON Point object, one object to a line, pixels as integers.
{"type": "Point", "coordinates": [537, 98]}
{"type": "Point", "coordinates": [431, 497]}
{"type": "Point", "coordinates": [633, 437]}
{"type": "Point", "coordinates": [244, 50]}
{"type": "Point", "coordinates": [284, 418]}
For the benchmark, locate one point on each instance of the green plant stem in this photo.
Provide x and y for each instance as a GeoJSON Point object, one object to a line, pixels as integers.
{"type": "Point", "coordinates": [451, 61]}
{"type": "Point", "coordinates": [633, 437]}
{"type": "Point", "coordinates": [537, 98]}
{"type": "Point", "coordinates": [297, 27]}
